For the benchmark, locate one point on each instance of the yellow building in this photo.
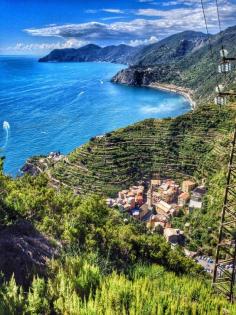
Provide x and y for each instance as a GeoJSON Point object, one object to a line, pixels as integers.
{"type": "Point", "coordinates": [188, 186]}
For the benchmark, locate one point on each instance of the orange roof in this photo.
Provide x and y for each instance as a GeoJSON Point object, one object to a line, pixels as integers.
{"type": "Point", "coordinates": [188, 182]}
{"type": "Point", "coordinates": [184, 196]}
{"type": "Point", "coordinates": [130, 194]}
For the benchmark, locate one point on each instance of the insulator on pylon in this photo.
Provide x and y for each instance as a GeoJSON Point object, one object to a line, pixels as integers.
{"type": "Point", "coordinates": [219, 89]}
{"type": "Point", "coordinates": [223, 53]}
{"type": "Point", "coordinates": [220, 100]}
{"type": "Point", "coordinates": [224, 67]}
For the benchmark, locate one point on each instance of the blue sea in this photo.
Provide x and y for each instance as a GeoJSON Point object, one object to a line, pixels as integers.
{"type": "Point", "coordinates": [58, 106]}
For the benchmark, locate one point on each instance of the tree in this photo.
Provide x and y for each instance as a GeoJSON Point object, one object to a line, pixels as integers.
{"type": "Point", "coordinates": [37, 298]}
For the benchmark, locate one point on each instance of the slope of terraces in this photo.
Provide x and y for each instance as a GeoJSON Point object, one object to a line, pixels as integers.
{"type": "Point", "coordinates": [180, 147]}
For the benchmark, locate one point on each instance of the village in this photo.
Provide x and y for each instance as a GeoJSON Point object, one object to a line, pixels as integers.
{"type": "Point", "coordinates": [157, 204]}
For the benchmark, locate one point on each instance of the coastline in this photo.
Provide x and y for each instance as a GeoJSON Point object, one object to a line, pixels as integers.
{"type": "Point", "coordinates": [187, 93]}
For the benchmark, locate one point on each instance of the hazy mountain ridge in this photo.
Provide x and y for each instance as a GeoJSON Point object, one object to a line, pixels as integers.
{"type": "Point", "coordinates": [170, 48]}
{"type": "Point", "coordinates": [179, 59]}
{"type": "Point", "coordinates": [116, 54]}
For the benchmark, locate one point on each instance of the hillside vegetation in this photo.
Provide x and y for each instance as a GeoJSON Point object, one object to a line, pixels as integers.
{"type": "Point", "coordinates": [118, 54]}
{"type": "Point", "coordinates": [170, 49]}
{"type": "Point", "coordinates": [78, 287]}
{"type": "Point", "coordinates": [74, 255]}
{"type": "Point", "coordinates": [102, 264]}
{"type": "Point", "coordinates": [194, 68]}
{"type": "Point", "coordinates": [194, 145]}
{"type": "Point", "coordinates": [175, 147]}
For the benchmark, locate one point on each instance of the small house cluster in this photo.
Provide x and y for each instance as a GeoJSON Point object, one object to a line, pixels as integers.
{"type": "Point", "coordinates": [131, 200]}
{"type": "Point", "coordinates": [162, 201]}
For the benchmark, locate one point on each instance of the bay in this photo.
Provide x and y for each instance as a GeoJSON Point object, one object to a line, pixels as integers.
{"type": "Point", "coordinates": [59, 106]}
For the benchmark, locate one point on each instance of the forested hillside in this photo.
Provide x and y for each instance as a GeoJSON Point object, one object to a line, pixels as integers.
{"type": "Point", "coordinates": [172, 48]}
{"type": "Point", "coordinates": [79, 287]}
{"type": "Point", "coordinates": [63, 251]}
{"type": "Point", "coordinates": [99, 263]}
{"type": "Point", "coordinates": [170, 147]}
{"type": "Point", "coordinates": [194, 145]}
{"type": "Point", "coordinates": [196, 69]}
{"type": "Point", "coordinates": [123, 54]}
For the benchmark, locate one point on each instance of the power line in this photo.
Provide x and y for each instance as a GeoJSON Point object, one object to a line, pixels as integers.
{"type": "Point", "coordinates": [207, 30]}
{"type": "Point", "coordinates": [221, 39]}
{"type": "Point", "coordinates": [218, 15]}
{"type": "Point", "coordinates": [209, 39]}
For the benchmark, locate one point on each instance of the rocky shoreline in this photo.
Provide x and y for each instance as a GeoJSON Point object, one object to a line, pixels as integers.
{"type": "Point", "coordinates": [187, 93]}
{"type": "Point", "coordinates": [152, 77]}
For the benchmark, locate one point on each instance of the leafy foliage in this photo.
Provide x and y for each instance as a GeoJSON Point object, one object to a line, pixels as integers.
{"type": "Point", "coordinates": [108, 265]}
{"type": "Point", "coordinates": [80, 288]}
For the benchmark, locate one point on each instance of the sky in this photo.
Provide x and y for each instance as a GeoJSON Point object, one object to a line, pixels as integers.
{"type": "Point", "coordinates": [39, 26]}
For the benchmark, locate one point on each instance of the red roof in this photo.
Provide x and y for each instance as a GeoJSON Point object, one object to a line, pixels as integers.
{"type": "Point", "coordinates": [184, 196]}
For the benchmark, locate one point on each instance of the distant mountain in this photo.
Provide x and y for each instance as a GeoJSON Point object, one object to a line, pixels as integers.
{"type": "Point", "coordinates": [183, 59]}
{"type": "Point", "coordinates": [174, 48]}
{"type": "Point", "coordinates": [171, 48]}
{"type": "Point", "coordinates": [117, 54]}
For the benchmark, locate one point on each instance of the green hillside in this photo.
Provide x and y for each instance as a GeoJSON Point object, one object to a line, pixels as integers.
{"type": "Point", "coordinates": [79, 288]}
{"type": "Point", "coordinates": [194, 145]}
{"type": "Point", "coordinates": [196, 69]}
{"type": "Point", "coordinates": [63, 251]}
{"type": "Point", "coordinates": [170, 49]}
{"type": "Point", "coordinates": [102, 264]}
{"type": "Point", "coordinates": [171, 147]}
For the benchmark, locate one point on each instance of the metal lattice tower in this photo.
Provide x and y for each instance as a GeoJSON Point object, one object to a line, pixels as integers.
{"type": "Point", "coordinates": [225, 263]}
{"type": "Point", "coordinates": [224, 277]}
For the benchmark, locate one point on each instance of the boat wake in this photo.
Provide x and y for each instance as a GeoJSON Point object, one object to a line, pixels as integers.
{"type": "Point", "coordinates": [6, 127]}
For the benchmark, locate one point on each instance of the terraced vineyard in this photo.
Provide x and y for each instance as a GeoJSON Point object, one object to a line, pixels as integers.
{"type": "Point", "coordinates": [185, 146]}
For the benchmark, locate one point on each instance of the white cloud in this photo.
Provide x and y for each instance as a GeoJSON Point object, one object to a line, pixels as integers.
{"type": "Point", "coordinates": [153, 22]}
{"type": "Point", "coordinates": [193, 3]}
{"type": "Point", "coordinates": [113, 18]}
{"type": "Point", "coordinates": [150, 12]}
{"type": "Point", "coordinates": [146, 1]}
{"type": "Point", "coordinates": [192, 17]}
{"type": "Point", "coordinates": [138, 42]}
{"type": "Point", "coordinates": [115, 11]}
{"type": "Point", "coordinates": [34, 47]}
{"type": "Point", "coordinates": [170, 3]}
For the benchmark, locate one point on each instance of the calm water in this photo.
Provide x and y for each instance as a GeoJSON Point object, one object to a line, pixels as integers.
{"type": "Point", "coordinates": [59, 106]}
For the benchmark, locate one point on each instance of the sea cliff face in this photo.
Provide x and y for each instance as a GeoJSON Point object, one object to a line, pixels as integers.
{"type": "Point", "coordinates": [130, 76]}
{"type": "Point", "coordinates": [158, 77]}
{"type": "Point", "coordinates": [182, 60]}
{"type": "Point", "coordinates": [138, 76]}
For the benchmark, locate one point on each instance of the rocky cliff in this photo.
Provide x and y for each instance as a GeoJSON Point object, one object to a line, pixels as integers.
{"type": "Point", "coordinates": [140, 76]}
{"type": "Point", "coordinates": [23, 252]}
{"type": "Point", "coordinates": [194, 68]}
